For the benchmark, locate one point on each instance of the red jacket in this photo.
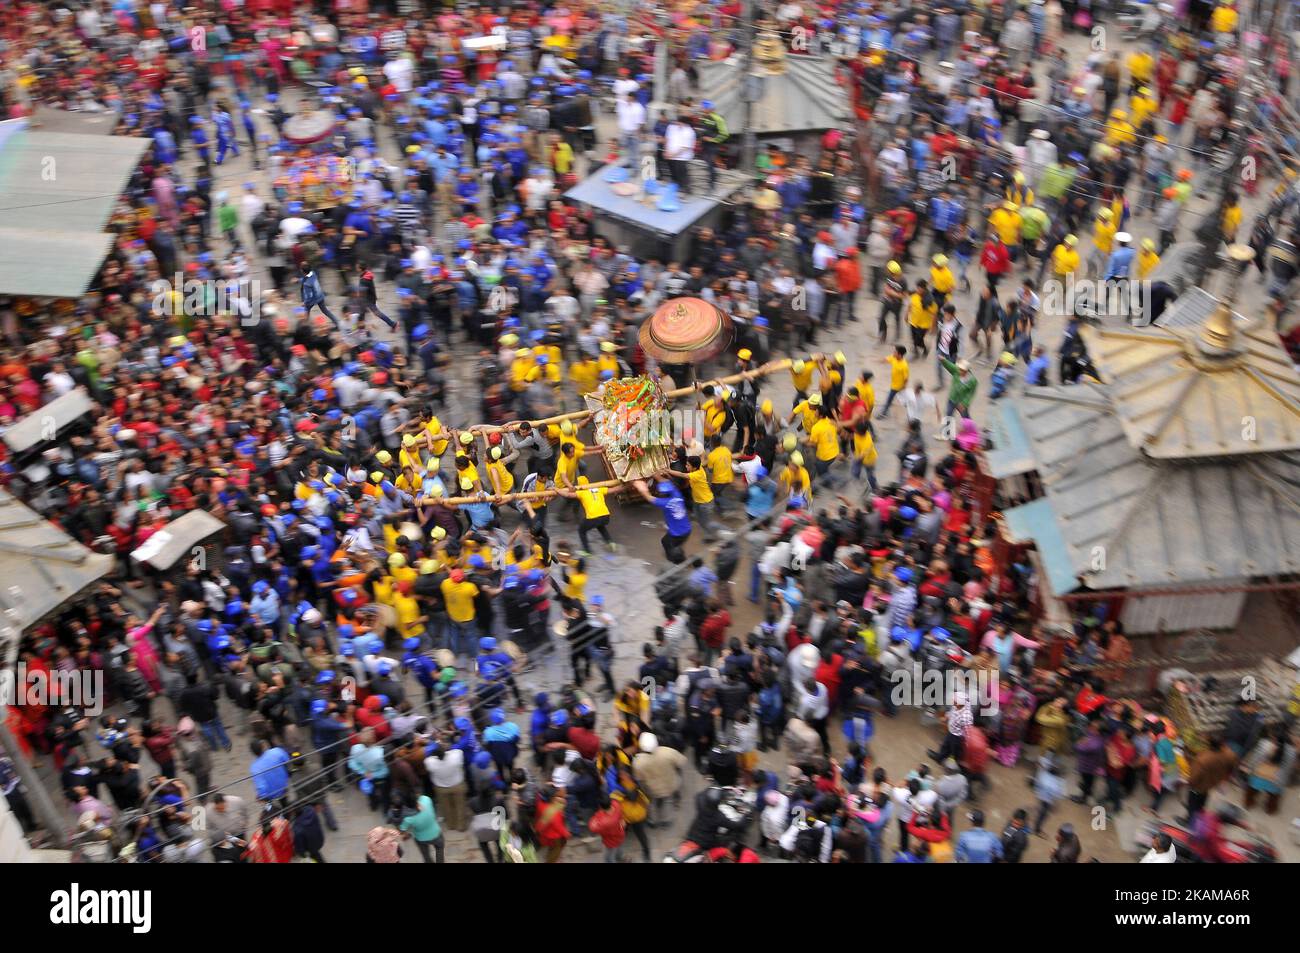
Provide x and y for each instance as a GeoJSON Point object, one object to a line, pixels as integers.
{"type": "Point", "coordinates": [550, 826]}
{"type": "Point", "coordinates": [609, 826]}
{"type": "Point", "coordinates": [995, 258]}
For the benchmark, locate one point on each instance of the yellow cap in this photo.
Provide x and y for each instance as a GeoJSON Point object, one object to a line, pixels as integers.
{"type": "Point", "coordinates": [438, 533]}
{"type": "Point", "coordinates": [798, 366]}
{"type": "Point", "coordinates": [396, 561]}
{"type": "Point", "coordinates": [412, 150]}
{"type": "Point", "coordinates": [796, 458]}
{"type": "Point", "coordinates": [384, 457]}
{"type": "Point", "coordinates": [607, 346]}
{"type": "Point", "coordinates": [496, 453]}
{"type": "Point", "coordinates": [789, 442]}
{"type": "Point", "coordinates": [376, 477]}
{"type": "Point", "coordinates": [509, 340]}
{"type": "Point", "coordinates": [466, 438]}
{"type": "Point", "coordinates": [1105, 215]}
{"type": "Point", "coordinates": [1071, 241]}
{"type": "Point", "coordinates": [744, 354]}
{"type": "Point", "coordinates": [466, 483]}
{"type": "Point", "coordinates": [894, 267]}
{"type": "Point", "coordinates": [429, 566]}
{"type": "Point", "coordinates": [1019, 177]}
{"type": "Point", "coordinates": [435, 490]}
{"type": "Point", "coordinates": [1148, 244]}
{"type": "Point", "coordinates": [941, 260]}
{"type": "Point", "coordinates": [766, 407]}
{"type": "Point", "coordinates": [815, 400]}
{"type": "Point", "coordinates": [566, 427]}
{"type": "Point", "coordinates": [583, 481]}
{"type": "Point", "coordinates": [840, 358]}
{"type": "Point", "coordinates": [408, 440]}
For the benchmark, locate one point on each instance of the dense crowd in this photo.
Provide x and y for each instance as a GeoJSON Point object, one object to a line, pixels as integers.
{"type": "Point", "coordinates": [381, 586]}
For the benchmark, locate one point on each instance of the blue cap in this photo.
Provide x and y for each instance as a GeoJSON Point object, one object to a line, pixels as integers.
{"type": "Point", "coordinates": [325, 677]}
{"type": "Point", "coordinates": [384, 668]}
{"type": "Point", "coordinates": [463, 724]}
{"type": "Point", "coordinates": [559, 718]}
{"type": "Point", "coordinates": [318, 706]}
{"type": "Point", "coordinates": [412, 643]}
{"type": "Point", "coordinates": [597, 600]}
{"type": "Point", "coordinates": [487, 644]}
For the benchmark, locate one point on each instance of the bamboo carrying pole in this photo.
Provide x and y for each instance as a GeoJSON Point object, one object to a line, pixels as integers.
{"type": "Point", "coordinates": [771, 367]}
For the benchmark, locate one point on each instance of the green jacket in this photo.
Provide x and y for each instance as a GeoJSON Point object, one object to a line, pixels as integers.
{"type": "Point", "coordinates": [423, 824]}
{"type": "Point", "coordinates": [962, 391]}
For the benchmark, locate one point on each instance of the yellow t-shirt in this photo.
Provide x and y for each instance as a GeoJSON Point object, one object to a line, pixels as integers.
{"type": "Point", "coordinates": [719, 461]}
{"type": "Point", "coordinates": [566, 469]}
{"type": "Point", "coordinates": [593, 501]}
{"type": "Point", "coordinates": [412, 486]}
{"type": "Point", "coordinates": [1103, 235]}
{"type": "Point", "coordinates": [864, 448]}
{"type": "Point", "coordinates": [408, 612]}
{"type": "Point", "coordinates": [715, 415]}
{"type": "Point", "coordinates": [867, 391]}
{"type": "Point", "coordinates": [898, 372]}
{"type": "Point", "coordinates": [384, 591]}
{"type": "Point", "coordinates": [434, 426]}
{"type": "Point", "coordinates": [585, 374]}
{"type": "Point", "coordinates": [459, 597]}
{"type": "Point", "coordinates": [576, 587]}
{"type": "Point", "coordinates": [825, 437]}
{"type": "Point", "coordinates": [701, 491]}
{"type": "Point", "coordinates": [606, 362]}
{"type": "Point", "coordinates": [792, 475]}
{"type": "Point", "coordinates": [1007, 224]}
{"type": "Point", "coordinates": [503, 476]}
{"type": "Point", "coordinates": [1064, 260]}
{"type": "Point", "coordinates": [921, 315]}
{"type": "Point", "coordinates": [807, 412]}
{"type": "Point", "coordinates": [411, 458]}
{"type": "Point", "coordinates": [1223, 19]}
{"type": "Point", "coordinates": [942, 279]}
{"type": "Point", "coordinates": [1147, 261]}
{"type": "Point", "coordinates": [802, 379]}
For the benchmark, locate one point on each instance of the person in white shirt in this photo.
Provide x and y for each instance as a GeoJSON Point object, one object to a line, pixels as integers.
{"type": "Point", "coordinates": [1162, 851]}
{"type": "Point", "coordinates": [399, 72]}
{"type": "Point", "coordinates": [918, 402]}
{"type": "Point", "coordinates": [679, 150]}
{"type": "Point", "coordinates": [631, 121]}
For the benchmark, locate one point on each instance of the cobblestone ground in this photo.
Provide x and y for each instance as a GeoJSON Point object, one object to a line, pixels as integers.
{"type": "Point", "coordinates": [626, 582]}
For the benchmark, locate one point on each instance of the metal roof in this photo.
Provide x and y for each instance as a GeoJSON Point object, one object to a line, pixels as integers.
{"type": "Point", "coordinates": [1183, 393]}
{"type": "Point", "coordinates": [180, 537]}
{"type": "Point", "coordinates": [57, 191]}
{"type": "Point", "coordinates": [45, 422]}
{"type": "Point", "coordinates": [1123, 519]}
{"type": "Point", "coordinates": [41, 568]}
{"type": "Point", "coordinates": [805, 97]}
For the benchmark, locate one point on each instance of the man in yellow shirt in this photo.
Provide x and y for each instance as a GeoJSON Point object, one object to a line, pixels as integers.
{"type": "Point", "coordinates": [825, 441]}
{"type": "Point", "coordinates": [721, 475]}
{"type": "Point", "coordinates": [462, 613]}
{"type": "Point", "coordinates": [410, 619]}
{"type": "Point", "coordinates": [794, 475]}
{"type": "Point", "coordinates": [608, 360]}
{"type": "Point", "coordinates": [520, 368]}
{"type": "Point", "coordinates": [942, 281]}
{"type": "Point", "coordinates": [921, 309]}
{"type": "Point", "coordinates": [1147, 258]}
{"type": "Point", "coordinates": [1065, 258]}
{"type": "Point", "coordinates": [1103, 240]}
{"type": "Point", "coordinates": [806, 411]}
{"type": "Point", "coordinates": [702, 502]}
{"type": "Point", "coordinates": [1223, 20]}
{"type": "Point", "coordinates": [898, 374]}
{"type": "Point", "coordinates": [864, 453]}
{"type": "Point", "coordinates": [1142, 106]}
{"type": "Point", "coordinates": [1006, 221]}
{"type": "Point", "coordinates": [584, 374]}
{"type": "Point", "coordinates": [498, 468]}
{"type": "Point", "coordinates": [801, 374]}
{"type": "Point", "coordinates": [595, 512]}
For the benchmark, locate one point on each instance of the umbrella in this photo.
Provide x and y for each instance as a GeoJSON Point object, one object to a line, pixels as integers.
{"type": "Point", "coordinates": [686, 331]}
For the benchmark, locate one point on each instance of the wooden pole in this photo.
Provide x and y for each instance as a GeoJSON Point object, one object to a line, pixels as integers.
{"type": "Point", "coordinates": [509, 497]}
{"type": "Point", "coordinates": [771, 367]}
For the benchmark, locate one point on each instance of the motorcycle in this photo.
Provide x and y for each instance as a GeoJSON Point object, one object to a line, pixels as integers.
{"type": "Point", "coordinates": [1245, 848]}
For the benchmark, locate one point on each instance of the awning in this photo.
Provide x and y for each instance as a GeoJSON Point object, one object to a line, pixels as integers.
{"type": "Point", "coordinates": [599, 194]}
{"type": "Point", "coordinates": [1035, 522]}
{"type": "Point", "coordinates": [44, 423]}
{"type": "Point", "coordinates": [57, 191]}
{"type": "Point", "coordinates": [41, 568]}
{"type": "Point", "coordinates": [177, 539]}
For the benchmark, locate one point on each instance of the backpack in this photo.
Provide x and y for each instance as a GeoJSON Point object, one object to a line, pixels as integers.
{"type": "Point", "coordinates": [808, 842]}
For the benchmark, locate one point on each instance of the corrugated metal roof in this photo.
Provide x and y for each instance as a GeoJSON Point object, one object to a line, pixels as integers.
{"type": "Point", "coordinates": [1178, 401]}
{"type": "Point", "coordinates": [41, 567]}
{"type": "Point", "coordinates": [1036, 521]}
{"type": "Point", "coordinates": [57, 191]}
{"type": "Point", "coordinates": [1125, 520]}
{"type": "Point", "coordinates": [804, 98]}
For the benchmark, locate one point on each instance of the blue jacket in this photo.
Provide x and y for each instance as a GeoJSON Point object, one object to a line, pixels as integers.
{"type": "Point", "coordinates": [311, 289]}
{"type": "Point", "coordinates": [978, 846]}
{"type": "Point", "coordinates": [270, 773]}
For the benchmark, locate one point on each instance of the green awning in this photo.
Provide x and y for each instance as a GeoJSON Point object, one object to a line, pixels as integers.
{"type": "Point", "coordinates": [57, 192]}
{"type": "Point", "coordinates": [1035, 522]}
